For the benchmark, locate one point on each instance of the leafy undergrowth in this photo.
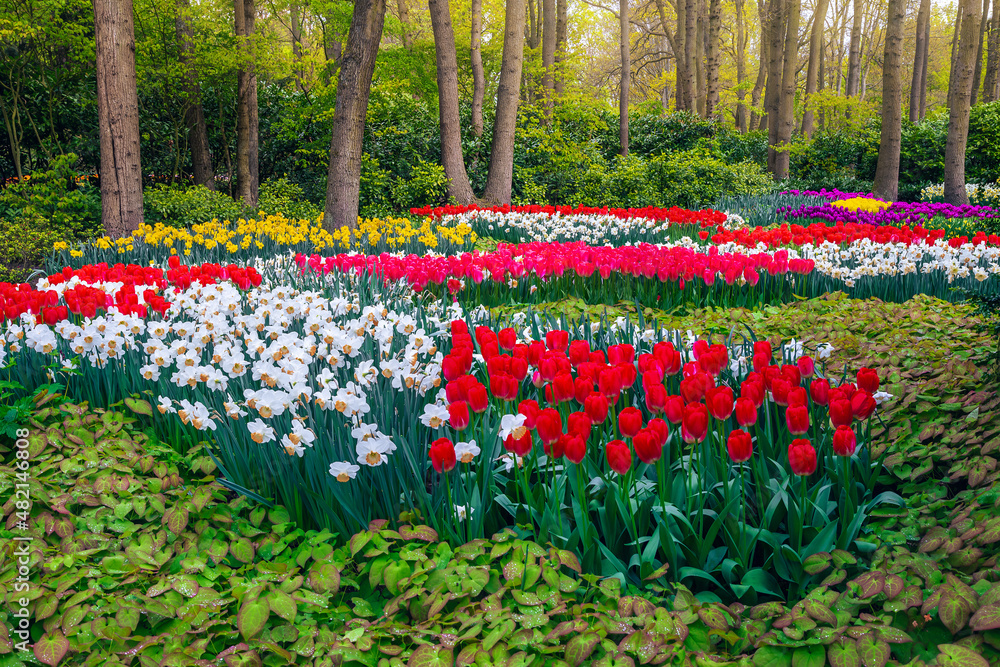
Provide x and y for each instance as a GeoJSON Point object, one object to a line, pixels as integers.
{"type": "Point", "coordinates": [138, 558]}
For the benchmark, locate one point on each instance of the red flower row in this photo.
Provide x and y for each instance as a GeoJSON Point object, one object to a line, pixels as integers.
{"type": "Point", "coordinates": [675, 215]}
{"type": "Point", "coordinates": [840, 233]}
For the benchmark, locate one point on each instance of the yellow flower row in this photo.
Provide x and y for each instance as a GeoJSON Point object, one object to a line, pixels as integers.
{"type": "Point", "coordinates": [278, 232]}
{"type": "Point", "coordinates": [862, 204]}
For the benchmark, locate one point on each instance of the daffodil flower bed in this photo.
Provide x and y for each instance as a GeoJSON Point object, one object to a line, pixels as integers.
{"type": "Point", "coordinates": [244, 240]}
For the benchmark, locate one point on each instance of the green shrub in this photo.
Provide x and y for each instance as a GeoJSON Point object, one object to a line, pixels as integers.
{"type": "Point", "coordinates": [182, 206]}
{"type": "Point", "coordinates": [60, 196]}
{"type": "Point", "coordinates": [698, 177]}
{"type": "Point", "coordinates": [25, 240]}
{"type": "Point", "coordinates": [426, 186]}
{"type": "Point", "coordinates": [280, 195]}
{"type": "Point", "coordinates": [982, 154]}
{"type": "Point", "coordinates": [375, 200]}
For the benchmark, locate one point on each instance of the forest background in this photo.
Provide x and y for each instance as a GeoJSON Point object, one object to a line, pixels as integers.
{"type": "Point", "coordinates": [694, 77]}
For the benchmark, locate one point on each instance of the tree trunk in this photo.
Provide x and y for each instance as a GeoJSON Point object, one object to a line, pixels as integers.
{"type": "Point", "coordinates": [548, 51]}
{"type": "Point", "coordinates": [977, 76]}
{"type": "Point", "coordinates": [561, 11]}
{"type": "Point", "coordinates": [404, 20]}
{"type": "Point", "coordinates": [772, 94]}
{"type": "Point", "coordinates": [699, 61]}
{"type": "Point", "coordinates": [500, 179]}
{"type": "Point", "coordinates": [680, 51]}
{"type": "Point", "coordinates": [626, 78]}
{"type": "Point", "coordinates": [959, 97]}
{"type": "Point", "coordinates": [478, 77]}
{"type": "Point", "coordinates": [118, 115]}
{"type": "Point", "coordinates": [955, 35]}
{"type": "Point", "coordinates": [296, 32]}
{"type": "Point", "coordinates": [343, 179]}
{"type": "Point", "coordinates": [816, 45]}
{"type": "Point", "coordinates": [763, 11]}
{"type": "Point", "coordinates": [690, 52]}
{"type": "Point", "coordinates": [786, 105]}
{"type": "Point", "coordinates": [194, 114]}
{"type": "Point", "coordinates": [990, 81]}
{"type": "Point", "coordinates": [246, 105]}
{"type": "Point", "coordinates": [712, 62]}
{"type": "Point", "coordinates": [919, 55]}
{"type": "Point", "coordinates": [886, 184]}
{"type": "Point", "coordinates": [923, 68]}
{"type": "Point", "coordinates": [451, 124]}
{"type": "Point", "coordinates": [854, 55]}
{"type": "Point", "coordinates": [741, 67]}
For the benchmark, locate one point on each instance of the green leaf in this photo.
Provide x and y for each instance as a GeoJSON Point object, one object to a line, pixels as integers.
{"type": "Point", "coordinates": [139, 406]}
{"type": "Point", "coordinates": [987, 618]}
{"type": "Point", "coordinates": [871, 584]}
{"type": "Point", "coordinates": [809, 656]}
{"type": "Point", "coordinates": [176, 520]}
{"type": "Point", "coordinates": [772, 656]}
{"type": "Point", "coordinates": [282, 604]}
{"type": "Point", "coordinates": [843, 653]}
{"type": "Point", "coordinates": [816, 563]}
{"type": "Point", "coordinates": [580, 647]}
{"type": "Point", "coordinates": [953, 655]}
{"type": "Point", "coordinates": [873, 652]}
{"type": "Point", "coordinates": [431, 656]}
{"type": "Point", "coordinates": [252, 617]}
{"type": "Point", "coordinates": [51, 648]}
{"type": "Point", "coordinates": [953, 610]}
{"type": "Point", "coordinates": [324, 578]}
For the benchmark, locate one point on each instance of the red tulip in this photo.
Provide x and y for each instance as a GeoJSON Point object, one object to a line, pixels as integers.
{"type": "Point", "coordinates": [719, 401]}
{"type": "Point", "coordinates": [739, 445]}
{"type": "Point", "coordinates": [746, 412]}
{"type": "Point", "coordinates": [619, 456]}
{"type": "Point", "coordinates": [575, 448]}
{"type": "Point", "coordinates": [656, 398]}
{"type": "Point", "coordinates": [802, 457]}
{"type": "Point", "coordinates": [797, 419]}
{"type": "Point", "coordinates": [578, 423]}
{"type": "Point", "coordinates": [582, 388]}
{"type": "Point", "coordinates": [458, 415]}
{"type": "Point", "coordinates": [798, 396]}
{"type": "Point", "coordinates": [674, 409]}
{"type": "Point", "coordinates": [647, 446]}
{"type": "Point", "coordinates": [807, 367]}
{"type": "Point", "coordinates": [530, 410]}
{"type": "Point", "coordinates": [443, 455]}
{"type": "Point", "coordinates": [762, 347]}
{"type": "Point", "coordinates": [753, 392]}
{"type": "Point", "coordinates": [661, 429]}
{"type": "Point", "coordinates": [519, 446]}
{"type": "Point", "coordinates": [779, 390]}
{"type": "Point", "coordinates": [868, 380]}
{"type": "Point", "coordinates": [629, 422]}
{"type": "Point", "coordinates": [519, 368]}
{"type": "Point", "coordinates": [579, 352]}
{"type": "Point", "coordinates": [694, 425]}
{"type": "Point", "coordinates": [507, 338]}
{"type": "Point", "coordinates": [477, 397]}
{"type": "Point", "coordinates": [862, 404]}
{"type": "Point", "coordinates": [792, 374]}
{"type": "Point", "coordinates": [761, 361]}
{"type": "Point", "coordinates": [549, 425]}
{"type": "Point", "coordinates": [453, 367]}
{"type": "Point", "coordinates": [557, 340]}
{"type": "Point", "coordinates": [669, 358]}
{"type": "Point", "coordinates": [841, 412]}
{"type": "Point", "coordinates": [596, 407]}
{"type": "Point", "coordinates": [535, 352]}
{"type": "Point", "coordinates": [562, 387]}
{"type": "Point", "coordinates": [628, 373]}
{"type": "Point", "coordinates": [819, 390]}
{"type": "Point", "coordinates": [693, 388]}
{"type": "Point", "coordinates": [610, 383]}
{"type": "Point", "coordinates": [844, 441]}
{"type": "Point", "coordinates": [700, 349]}
{"type": "Point", "coordinates": [621, 354]}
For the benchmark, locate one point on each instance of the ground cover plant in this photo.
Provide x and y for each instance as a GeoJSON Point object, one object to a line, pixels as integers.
{"type": "Point", "coordinates": [808, 474]}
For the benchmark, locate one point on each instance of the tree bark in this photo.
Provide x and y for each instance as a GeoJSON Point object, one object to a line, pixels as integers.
{"type": "Point", "coordinates": [990, 81]}
{"type": "Point", "coordinates": [478, 77]}
{"type": "Point", "coordinates": [854, 54]}
{"type": "Point", "coordinates": [296, 34]}
{"type": "Point", "coordinates": [816, 45]}
{"type": "Point", "coordinates": [919, 55]}
{"type": "Point", "coordinates": [118, 114]}
{"type": "Point", "coordinates": [626, 77]}
{"type": "Point", "coordinates": [712, 61]}
{"type": "Point", "coordinates": [959, 97]}
{"type": "Point", "coordinates": [772, 94]}
{"type": "Point", "coordinates": [353, 87]}
{"type": "Point", "coordinates": [786, 106]}
{"type": "Point", "coordinates": [763, 11]}
{"type": "Point", "coordinates": [977, 75]}
{"type": "Point", "coordinates": [404, 19]}
{"type": "Point", "coordinates": [741, 67]}
{"type": "Point", "coordinates": [699, 61]}
{"type": "Point", "coordinates": [548, 52]}
{"type": "Point", "coordinates": [194, 113]}
{"type": "Point", "coordinates": [680, 50]}
{"type": "Point", "coordinates": [923, 68]}
{"type": "Point", "coordinates": [247, 174]}
{"type": "Point", "coordinates": [690, 52]}
{"type": "Point", "coordinates": [447, 80]}
{"type": "Point", "coordinates": [886, 184]}
{"type": "Point", "coordinates": [561, 11]}
{"type": "Point", "coordinates": [499, 181]}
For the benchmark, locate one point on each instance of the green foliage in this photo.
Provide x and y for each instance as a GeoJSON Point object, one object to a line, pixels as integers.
{"type": "Point", "coordinates": [180, 205]}
{"type": "Point", "coordinates": [425, 186]}
{"type": "Point", "coordinates": [60, 197]}
{"type": "Point", "coordinates": [375, 200]}
{"type": "Point", "coordinates": [697, 177]}
{"type": "Point", "coordinates": [25, 241]}
{"type": "Point", "coordinates": [982, 152]}
{"type": "Point", "coordinates": [279, 195]}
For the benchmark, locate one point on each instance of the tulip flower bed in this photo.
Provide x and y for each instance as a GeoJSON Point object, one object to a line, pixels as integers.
{"type": "Point", "coordinates": [869, 211]}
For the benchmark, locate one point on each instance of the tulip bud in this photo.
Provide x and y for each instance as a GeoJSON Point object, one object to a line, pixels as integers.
{"type": "Point", "coordinates": [802, 457]}
{"type": "Point", "coordinates": [739, 446]}
{"type": "Point", "coordinates": [596, 407]}
{"type": "Point", "coordinates": [719, 401]}
{"type": "Point", "coordinates": [862, 404]}
{"type": "Point", "coordinates": [647, 446]}
{"type": "Point", "coordinates": [442, 455]}
{"type": "Point", "coordinates": [694, 425]}
{"type": "Point", "coordinates": [619, 456]}
{"type": "Point", "coordinates": [746, 412]}
{"type": "Point", "coordinates": [673, 410]}
{"type": "Point", "coordinates": [458, 415]}
{"type": "Point", "coordinates": [868, 380]}
{"type": "Point", "coordinates": [841, 412]}
{"type": "Point", "coordinates": [797, 419]}
{"type": "Point", "coordinates": [549, 425]}
{"type": "Point", "coordinates": [629, 422]}
{"type": "Point", "coordinates": [578, 423]}
{"type": "Point", "coordinates": [819, 391]}
{"type": "Point", "coordinates": [807, 367]}
{"type": "Point", "coordinates": [844, 441]}
{"type": "Point", "coordinates": [530, 410]}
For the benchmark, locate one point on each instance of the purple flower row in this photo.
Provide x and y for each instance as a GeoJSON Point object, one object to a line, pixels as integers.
{"type": "Point", "coordinates": [899, 213]}
{"type": "Point", "coordinates": [830, 195]}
